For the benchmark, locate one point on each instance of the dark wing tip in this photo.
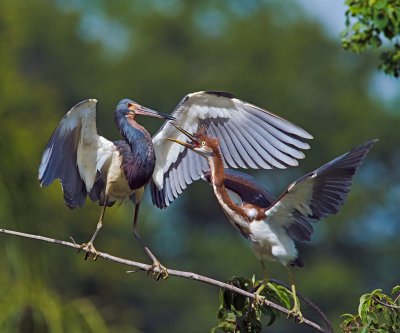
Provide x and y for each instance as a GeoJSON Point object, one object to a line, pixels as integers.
{"type": "Point", "coordinates": [368, 144]}
{"type": "Point", "coordinates": [333, 180]}
{"type": "Point", "coordinates": [364, 146]}
{"type": "Point", "coordinates": [157, 196]}
{"type": "Point", "coordinates": [330, 186]}
{"type": "Point", "coordinates": [354, 157]}
{"type": "Point", "coordinates": [346, 164]}
{"type": "Point", "coordinates": [220, 93]}
{"type": "Point", "coordinates": [298, 262]}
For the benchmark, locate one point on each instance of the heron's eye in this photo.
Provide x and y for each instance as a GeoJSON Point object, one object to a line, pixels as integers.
{"type": "Point", "coordinates": [129, 105]}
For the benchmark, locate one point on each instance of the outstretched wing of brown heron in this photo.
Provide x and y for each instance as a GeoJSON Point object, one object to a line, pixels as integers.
{"type": "Point", "coordinates": [317, 194]}
{"type": "Point", "coordinates": [249, 137]}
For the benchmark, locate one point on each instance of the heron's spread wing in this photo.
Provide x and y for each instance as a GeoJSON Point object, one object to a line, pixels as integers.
{"type": "Point", "coordinates": [245, 187]}
{"type": "Point", "coordinates": [76, 155]}
{"type": "Point", "coordinates": [317, 194]}
{"type": "Point", "coordinates": [249, 137]}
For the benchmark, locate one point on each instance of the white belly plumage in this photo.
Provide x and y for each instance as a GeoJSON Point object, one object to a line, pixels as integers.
{"type": "Point", "coordinates": [117, 187]}
{"type": "Point", "coordinates": [272, 243]}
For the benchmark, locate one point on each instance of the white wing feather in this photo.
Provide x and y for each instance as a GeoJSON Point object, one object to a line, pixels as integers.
{"type": "Point", "coordinates": [249, 137]}
{"type": "Point", "coordinates": [75, 153]}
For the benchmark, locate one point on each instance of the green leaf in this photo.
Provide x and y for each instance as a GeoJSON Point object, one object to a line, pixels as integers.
{"type": "Point", "coordinates": [396, 289]}
{"type": "Point", "coordinates": [271, 314]}
{"type": "Point", "coordinates": [281, 293]}
{"type": "Point", "coordinates": [361, 307]}
{"type": "Point", "coordinates": [380, 20]}
{"type": "Point", "coordinates": [375, 42]}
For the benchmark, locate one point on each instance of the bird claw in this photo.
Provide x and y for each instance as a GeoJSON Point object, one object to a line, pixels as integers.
{"type": "Point", "coordinates": [89, 249]}
{"type": "Point", "coordinates": [296, 314]}
{"type": "Point", "coordinates": [158, 271]}
{"type": "Point", "coordinates": [260, 300]}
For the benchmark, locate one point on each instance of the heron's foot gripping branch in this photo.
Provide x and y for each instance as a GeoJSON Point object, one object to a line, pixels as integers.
{"type": "Point", "coordinates": [89, 249]}
{"type": "Point", "coordinates": [260, 300]}
{"type": "Point", "coordinates": [158, 271]}
{"type": "Point", "coordinates": [295, 312]}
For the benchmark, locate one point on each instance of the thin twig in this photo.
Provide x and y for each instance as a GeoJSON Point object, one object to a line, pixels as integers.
{"type": "Point", "coordinates": [172, 272]}
{"type": "Point", "coordinates": [386, 304]}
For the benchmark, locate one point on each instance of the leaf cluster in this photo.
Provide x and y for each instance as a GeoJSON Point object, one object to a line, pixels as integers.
{"type": "Point", "coordinates": [376, 21]}
{"type": "Point", "coordinates": [377, 312]}
{"type": "Point", "coordinates": [238, 313]}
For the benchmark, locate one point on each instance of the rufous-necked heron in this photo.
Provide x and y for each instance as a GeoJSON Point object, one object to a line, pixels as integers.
{"type": "Point", "coordinates": [273, 226]}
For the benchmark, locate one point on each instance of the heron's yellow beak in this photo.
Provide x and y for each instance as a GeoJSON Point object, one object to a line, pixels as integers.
{"type": "Point", "coordinates": [190, 136]}
{"type": "Point", "coordinates": [185, 144]}
{"type": "Point", "coordinates": [191, 145]}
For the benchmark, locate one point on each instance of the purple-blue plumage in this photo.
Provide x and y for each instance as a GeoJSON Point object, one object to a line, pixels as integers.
{"type": "Point", "coordinates": [136, 151]}
{"type": "Point", "coordinates": [138, 162]}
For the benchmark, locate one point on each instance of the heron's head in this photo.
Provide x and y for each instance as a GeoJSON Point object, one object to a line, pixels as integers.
{"type": "Point", "coordinates": [200, 142]}
{"type": "Point", "coordinates": [127, 107]}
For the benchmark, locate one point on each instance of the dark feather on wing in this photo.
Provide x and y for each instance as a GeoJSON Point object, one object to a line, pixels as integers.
{"type": "Point", "coordinates": [59, 162]}
{"type": "Point", "coordinates": [245, 187]}
{"type": "Point", "coordinates": [330, 185]}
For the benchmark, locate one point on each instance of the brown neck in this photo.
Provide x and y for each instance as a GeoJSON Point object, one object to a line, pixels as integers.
{"type": "Point", "coordinates": [216, 165]}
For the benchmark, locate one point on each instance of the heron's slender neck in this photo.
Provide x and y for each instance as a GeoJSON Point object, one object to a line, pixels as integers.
{"type": "Point", "coordinates": [138, 158]}
{"type": "Point", "coordinates": [132, 132]}
{"type": "Point", "coordinates": [216, 165]}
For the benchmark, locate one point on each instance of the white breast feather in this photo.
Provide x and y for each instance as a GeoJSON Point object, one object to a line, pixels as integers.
{"type": "Point", "coordinates": [251, 212]}
{"type": "Point", "coordinates": [117, 187]}
{"type": "Point", "coordinates": [272, 243]}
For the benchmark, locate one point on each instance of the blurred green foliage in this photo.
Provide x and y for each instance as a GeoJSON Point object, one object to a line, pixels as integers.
{"type": "Point", "coordinates": [377, 312]}
{"type": "Point", "coordinates": [237, 313]}
{"type": "Point", "coordinates": [56, 53]}
{"type": "Point", "coordinates": [370, 23]}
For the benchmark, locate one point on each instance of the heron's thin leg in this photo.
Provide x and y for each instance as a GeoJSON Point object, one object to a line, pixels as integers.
{"type": "Point", "coordinates": [88, 247]}
{"type": "Point", "coordinates": [265, 272]}
{"type": "Point", "coordinates": [295, 312]}
{"type": "Point", "coordinates": [163, 272]}
{"type": "Point", "coordinates": [100, 223]}
{"type": "Point", "coordinates": [260, 299]}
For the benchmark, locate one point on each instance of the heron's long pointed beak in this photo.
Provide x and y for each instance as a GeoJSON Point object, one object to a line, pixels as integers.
{"type": "Point", "coordinates": [189, 145]}
{"type": "Point", "coordinates": [190, 136]}
{"type": "Point", "coordinates": [142, 110]}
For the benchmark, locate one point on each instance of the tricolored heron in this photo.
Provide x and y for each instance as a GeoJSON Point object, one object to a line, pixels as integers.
{"type": "Point", "coordinates": [90, 165]}
{"type": "Point", "coordinates": [87, 164]}
{"type": "Point", "coordinates": [272, 226]}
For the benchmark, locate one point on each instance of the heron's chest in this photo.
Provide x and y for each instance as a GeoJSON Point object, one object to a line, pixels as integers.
{"type": "Point", "coordinates": [136, 162]}
{"type": "Point", "coordinates": [117, 186]}
{"type": "Point", "coordinates": [271, 242]}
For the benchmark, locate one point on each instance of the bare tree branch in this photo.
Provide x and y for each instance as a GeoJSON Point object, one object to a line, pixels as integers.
{"type": "Point", "coordinates": [172, 272]}
{"type": "Point", "coordinates": [386, 304]}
